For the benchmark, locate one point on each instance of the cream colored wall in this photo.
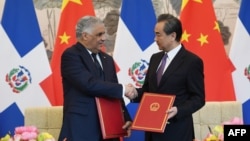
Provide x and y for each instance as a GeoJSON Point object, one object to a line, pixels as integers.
{"type": "Point", "coordinates": [227, 12]}
{"type": "Point", "coordinates": [1, 8]}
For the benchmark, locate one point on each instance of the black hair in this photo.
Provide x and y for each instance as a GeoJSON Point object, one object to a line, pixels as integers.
{"type": "Point", "coordinates": [172, 24]}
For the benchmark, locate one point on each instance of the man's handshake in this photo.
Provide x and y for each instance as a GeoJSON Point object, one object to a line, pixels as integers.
{"type": "Point", "coordinates": [130, 91]}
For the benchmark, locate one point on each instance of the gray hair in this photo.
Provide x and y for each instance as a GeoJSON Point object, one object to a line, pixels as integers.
{"type": "Point", "coordinates": [86, 24]}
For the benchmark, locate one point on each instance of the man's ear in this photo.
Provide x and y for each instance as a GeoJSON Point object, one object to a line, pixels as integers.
{"type": "Point", "coordinates": [173, 35]}
{"type": "Point", "coordinates": [84, 35]}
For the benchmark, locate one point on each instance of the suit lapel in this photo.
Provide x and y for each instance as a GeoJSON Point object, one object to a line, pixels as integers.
{"type": "Point", "coordinates": [86, 58]}
{"type": "Point", "coordinates": [104, 63]}
{"type": "Point", "coordinates": [157, 61]}
{"type": "Point", "coordinates": [154, 64]}
{"type": "Point", "coordinates": [176, 62]}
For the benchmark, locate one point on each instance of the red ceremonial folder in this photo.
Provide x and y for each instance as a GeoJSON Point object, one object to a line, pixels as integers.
{"type": "Point", "coordinates": [111, 117]}
{"type": "Point", "coordinates": [151, 114]}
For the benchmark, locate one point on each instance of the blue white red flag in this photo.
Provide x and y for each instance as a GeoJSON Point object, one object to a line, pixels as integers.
{"type": "Point", "coordinates": [240, 56]}
{"type": "Point", "coordinates": [23, 62]}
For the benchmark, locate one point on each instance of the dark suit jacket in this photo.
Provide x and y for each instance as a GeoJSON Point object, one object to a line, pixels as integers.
{"type": "Point", "coordinates": [183, 78]}
{"type": "Point", "coordinates": [81, 85]}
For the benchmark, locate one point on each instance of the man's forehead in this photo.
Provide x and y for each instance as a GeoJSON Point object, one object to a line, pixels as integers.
{"type": "Point", "coordinates": [99, 28]}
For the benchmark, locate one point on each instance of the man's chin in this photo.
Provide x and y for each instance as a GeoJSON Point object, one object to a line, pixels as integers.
{"type": "Point", "coordinates": [160, 48]}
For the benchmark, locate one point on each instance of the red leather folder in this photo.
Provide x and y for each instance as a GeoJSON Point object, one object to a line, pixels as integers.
{"type": "Point", "coordinates": [111, 117]}
{"type": "Point", "coordinates": [151, 114]}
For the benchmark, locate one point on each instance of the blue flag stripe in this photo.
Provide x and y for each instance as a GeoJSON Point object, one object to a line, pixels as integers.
{"type": "Point", "coordinates": [9, 121]}
{"type": "Point", "coordinates": [140, 19]}
{"type": "Point", "coordinates": [20, 23]}
{"type": "Point", "coordinates": [246, 113]}
{"type": "Point", "coordinates": [244, 14]}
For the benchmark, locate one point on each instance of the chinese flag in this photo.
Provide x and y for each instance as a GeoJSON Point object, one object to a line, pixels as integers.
{"type": "Point", "coordinates": [72, 11]}
{"type": "Point", "coordinates": [201, 35]}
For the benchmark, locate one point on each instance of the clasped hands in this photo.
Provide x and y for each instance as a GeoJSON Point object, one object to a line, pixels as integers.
{"type": "Point", "coordinates": [130, 91]}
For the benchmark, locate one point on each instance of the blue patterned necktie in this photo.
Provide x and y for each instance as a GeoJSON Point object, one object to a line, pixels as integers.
{"type": "Point", "coordinates": [161, 68]}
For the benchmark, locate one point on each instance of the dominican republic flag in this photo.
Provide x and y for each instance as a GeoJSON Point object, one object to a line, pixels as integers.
{"type": "Point", "coordinates": [134, 46]}
{"type": "Point", "coordinates": [240, 56]}
{"type": "Point", "coordinates": [23, 62]}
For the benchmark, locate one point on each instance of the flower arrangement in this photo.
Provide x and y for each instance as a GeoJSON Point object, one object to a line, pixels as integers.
{"type": "Point", "coordinates": [216, 134]}
{"type": "Point", "coordinates": [28, 133]}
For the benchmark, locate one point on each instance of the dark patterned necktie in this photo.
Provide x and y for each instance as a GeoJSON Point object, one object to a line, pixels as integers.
{"type": "Point", "coordinates": [161, 68]}
{"type": "Point", "coordinates": [98, 66]}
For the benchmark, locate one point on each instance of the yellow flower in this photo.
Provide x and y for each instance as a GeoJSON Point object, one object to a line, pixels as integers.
{"type": "Point", "coordinates": [212, 138]}
{"type": "Point", "coordinates": [44, 136]}
{"type": "Point", "coordinates": [5, 138]}
{"type": "Point", "coordinates": [217, 130]}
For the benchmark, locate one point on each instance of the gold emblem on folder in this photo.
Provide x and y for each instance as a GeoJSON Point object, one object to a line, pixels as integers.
{"type": "Point", "coordinates": [154, 106]}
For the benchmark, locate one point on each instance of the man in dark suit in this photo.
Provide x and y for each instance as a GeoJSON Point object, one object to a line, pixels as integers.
{"type": "Point", "coordinates": [85, 77]}
{"type": "Point", "coordinates": [182, 75]}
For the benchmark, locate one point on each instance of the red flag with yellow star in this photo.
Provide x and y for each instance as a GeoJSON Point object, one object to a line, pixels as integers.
{"type": "Point", "coordinates": [72, 11]}
{"type": "Point", "coordinates": [201, 35]}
